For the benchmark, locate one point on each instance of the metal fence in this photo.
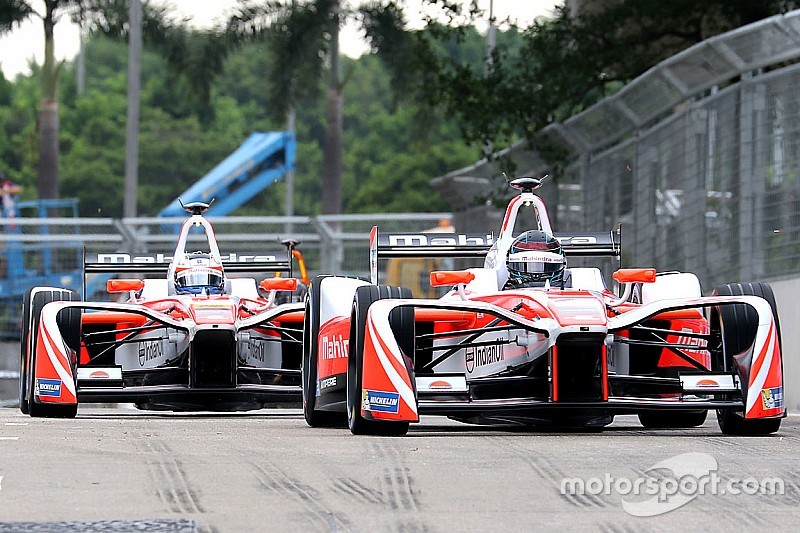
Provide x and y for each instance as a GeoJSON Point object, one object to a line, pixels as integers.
{"type": "Point", "coordinates": [51, 248]}
{"type": "Point", "coordinates": [699, 159]}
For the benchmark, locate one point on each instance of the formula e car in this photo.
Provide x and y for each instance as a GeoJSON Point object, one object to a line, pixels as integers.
{"type": "Point", "coordinates": [195, 338]}
{"type": "Point", "coordinates": [525, 340]}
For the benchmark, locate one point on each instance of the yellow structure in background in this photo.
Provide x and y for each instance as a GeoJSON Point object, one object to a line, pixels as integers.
{"type": "Point", "coordinates": [414, 272]}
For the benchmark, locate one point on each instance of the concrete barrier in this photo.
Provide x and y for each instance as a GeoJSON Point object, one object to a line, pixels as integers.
{"type": "Point", "coordinates": [9, 371]}
{"type": "Point", "coordinates": [787, 296]}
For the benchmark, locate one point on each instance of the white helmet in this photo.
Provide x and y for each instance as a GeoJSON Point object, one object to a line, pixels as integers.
{"type": "Point", "coordinates": [197, 273]}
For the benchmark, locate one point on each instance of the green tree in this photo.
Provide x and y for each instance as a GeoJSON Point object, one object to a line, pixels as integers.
{"type": "Point", "coordinates": [566, 63]}
{"type": "Point", "coordinates": [304, 40]}
{"type": "Point", "coordinates": [12, 13]}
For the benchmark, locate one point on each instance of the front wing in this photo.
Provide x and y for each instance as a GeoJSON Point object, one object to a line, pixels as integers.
{"type": "Point", "coordinates": [60, 378]}
{"type": "Point", "coordinates": [754, 384]}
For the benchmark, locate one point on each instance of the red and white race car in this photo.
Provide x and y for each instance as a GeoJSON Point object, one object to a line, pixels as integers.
{"type": "Point", "coordinates": [525, 340]}
{"type": "Point", "coordinates": [194, 338]}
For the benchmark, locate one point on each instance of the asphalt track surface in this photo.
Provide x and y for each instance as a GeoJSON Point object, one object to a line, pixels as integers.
{"type": "Point", "coordinates": [118, 469]}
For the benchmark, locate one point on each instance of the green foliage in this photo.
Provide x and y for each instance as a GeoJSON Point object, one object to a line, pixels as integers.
{"type": "Point", "coordinates": [564, 64]}
{"type": "Point", "coordinates": [390, 151]}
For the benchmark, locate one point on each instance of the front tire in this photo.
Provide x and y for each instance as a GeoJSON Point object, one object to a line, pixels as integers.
{"type": "Point", "coordinates": [738, 324]}
{"type": "Point", "coordinates": [402, 323]}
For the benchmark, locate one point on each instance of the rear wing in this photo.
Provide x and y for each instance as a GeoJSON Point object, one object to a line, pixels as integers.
{"type": "Point", "coordinates": [149, 263]}
{"type": "Point", "coordinates": [434, 244]}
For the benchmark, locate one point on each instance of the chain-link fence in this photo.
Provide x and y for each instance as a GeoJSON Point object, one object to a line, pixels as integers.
{"type": "Point", "coordinates": [698, 159]}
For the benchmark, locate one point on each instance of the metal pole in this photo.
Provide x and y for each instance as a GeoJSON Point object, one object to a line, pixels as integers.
{"type": "Point", "coordinates": [289, 177]}
{"type": "Point", "coordinates": [80, 67]}
{"type": "Point", "coordinates": [134, 86]}
{"type": "Point", "coordinates": [491, 36]}
{"type": "Point", "coordinates": [291, 118]}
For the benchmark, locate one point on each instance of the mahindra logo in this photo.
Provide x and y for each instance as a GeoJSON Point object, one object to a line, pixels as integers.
{"type": "Point", "coordinates": [117, 258]}
{"type": "Point", "coordinates": [426, 240]}
{"type": "Point", "coordinates": [334, 348]}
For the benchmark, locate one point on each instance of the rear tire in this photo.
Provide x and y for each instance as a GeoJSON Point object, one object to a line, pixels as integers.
{"type": "Point", "coordinates": [314, 418]}
{"type": "Point", "coordinates": [69, 322]}
{"type": "Point", "coordinates": [738, 324]}
{"type": "Point", "coordinates": [672, 419]}
{"type": "Point", "coordinates": [402, 323]}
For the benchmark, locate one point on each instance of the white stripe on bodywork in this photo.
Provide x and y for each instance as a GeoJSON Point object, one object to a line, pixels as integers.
{"type": "Point", "coordinates": [381, 323]}
{"type": "Point", "coordinates": [765, 333]}
{"type": "Point", "coordinates": [754, 390]}
{"type": "Point", "coordinates": [50, 334]}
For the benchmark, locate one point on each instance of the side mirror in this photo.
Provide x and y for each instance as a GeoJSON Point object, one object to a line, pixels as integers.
{"type": "Point", "coordinates": [450, 277]}
{"type": "Point", "coordinates": [124, 285]}
{"type": "Point", "coordinates": [279, 284]}
{"type": "Point", "coordinates": [635, 275]}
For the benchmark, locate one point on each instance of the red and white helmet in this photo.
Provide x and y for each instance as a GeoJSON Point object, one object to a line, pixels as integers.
{"type": "Point", "coordinates": [198, 273]}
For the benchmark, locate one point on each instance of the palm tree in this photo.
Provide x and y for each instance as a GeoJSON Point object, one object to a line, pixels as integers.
{"type": "Point", "coordinates": [304, 43]}
{"type": "Point", "coordinates": [105, 16]}
{"type": "Point", "coordinates": [12, 13]}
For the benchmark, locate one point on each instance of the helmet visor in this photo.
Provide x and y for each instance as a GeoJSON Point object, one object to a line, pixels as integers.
{"type": "Point", "coordinates": [535, 265]}
{"type": "Point", "coordinates": [196, 277]}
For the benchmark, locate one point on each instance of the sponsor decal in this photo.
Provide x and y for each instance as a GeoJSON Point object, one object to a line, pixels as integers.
{"type": "Point", "coordinates": [576, 241]}
{"type": "Point", "coordinates": [326, 383]}
{"type": "Point", "coordinates": [441, 385]}
{"type": "Point", "coordinates": [335, 347]}
{"type": "Point", "coordinates": [772, 398]}
{"type": "Point", "coordinates": [148, 351]}
{"type": "Point", "coordinates": [99, 374]}
{"type": "Point", "coordinates": [116, 258]}
{"type": "Point", "coordinates": [692, 341]}
{"type": "Point", "coordinates": [425, 240]}
{"type": "Point", "coordinates": [257, 350]}
{"type": "Point", "coordinates": [48, 387]}
{"type": "Point", "coordinates": [477, 356]}
{"type": "Point", "coordinates": [707, 383]}
{"type": "Point", "coordinates": [540, 257]}
{"type": "Point", "coordinates": [385, 402]}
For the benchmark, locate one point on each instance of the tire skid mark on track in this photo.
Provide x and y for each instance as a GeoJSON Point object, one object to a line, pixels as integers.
{"type": "Point", "coordinates": [727, 442]}
{"type": "Point", "coordinates": [275, 479]}
{"type": "Point", "coordinates": [354, 489]}
{"type": "Point", "coordinates": [171, 483]}
{"type": "Point", "coordinates": [749, 518]}
{"type": "Point", "coordinates": [550, 472]}
{"type": "Point", "coordinates": [791, 490]}
{"type": "Point", "coordinates": [616, 528]}
{"type": "Point", "coordinates": [397, 487]}
{"type": "Point", "coordinates": [586, 500]}
{"type": "Point", "coordinates": [397, 483]}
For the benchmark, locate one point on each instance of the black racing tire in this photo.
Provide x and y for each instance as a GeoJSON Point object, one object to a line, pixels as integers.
{"type": "Point", "coordinates": [314, 417]}
{"type": "Point", "coordinates": [672, 419]}
{"type": "Point", "coordinates": [69, 322]}
{"type": "Point", "coordinates": [738, 327]}
{"type": "Point", "coordinates": [402, 323]}
{"type": "Point", "coordinates": [23, 353]}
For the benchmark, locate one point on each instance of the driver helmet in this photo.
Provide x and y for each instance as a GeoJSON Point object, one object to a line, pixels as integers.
{"type": "Point", "coordinates": [534, 258]}
{"type": "Point", "coordinates": [199, 272]}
